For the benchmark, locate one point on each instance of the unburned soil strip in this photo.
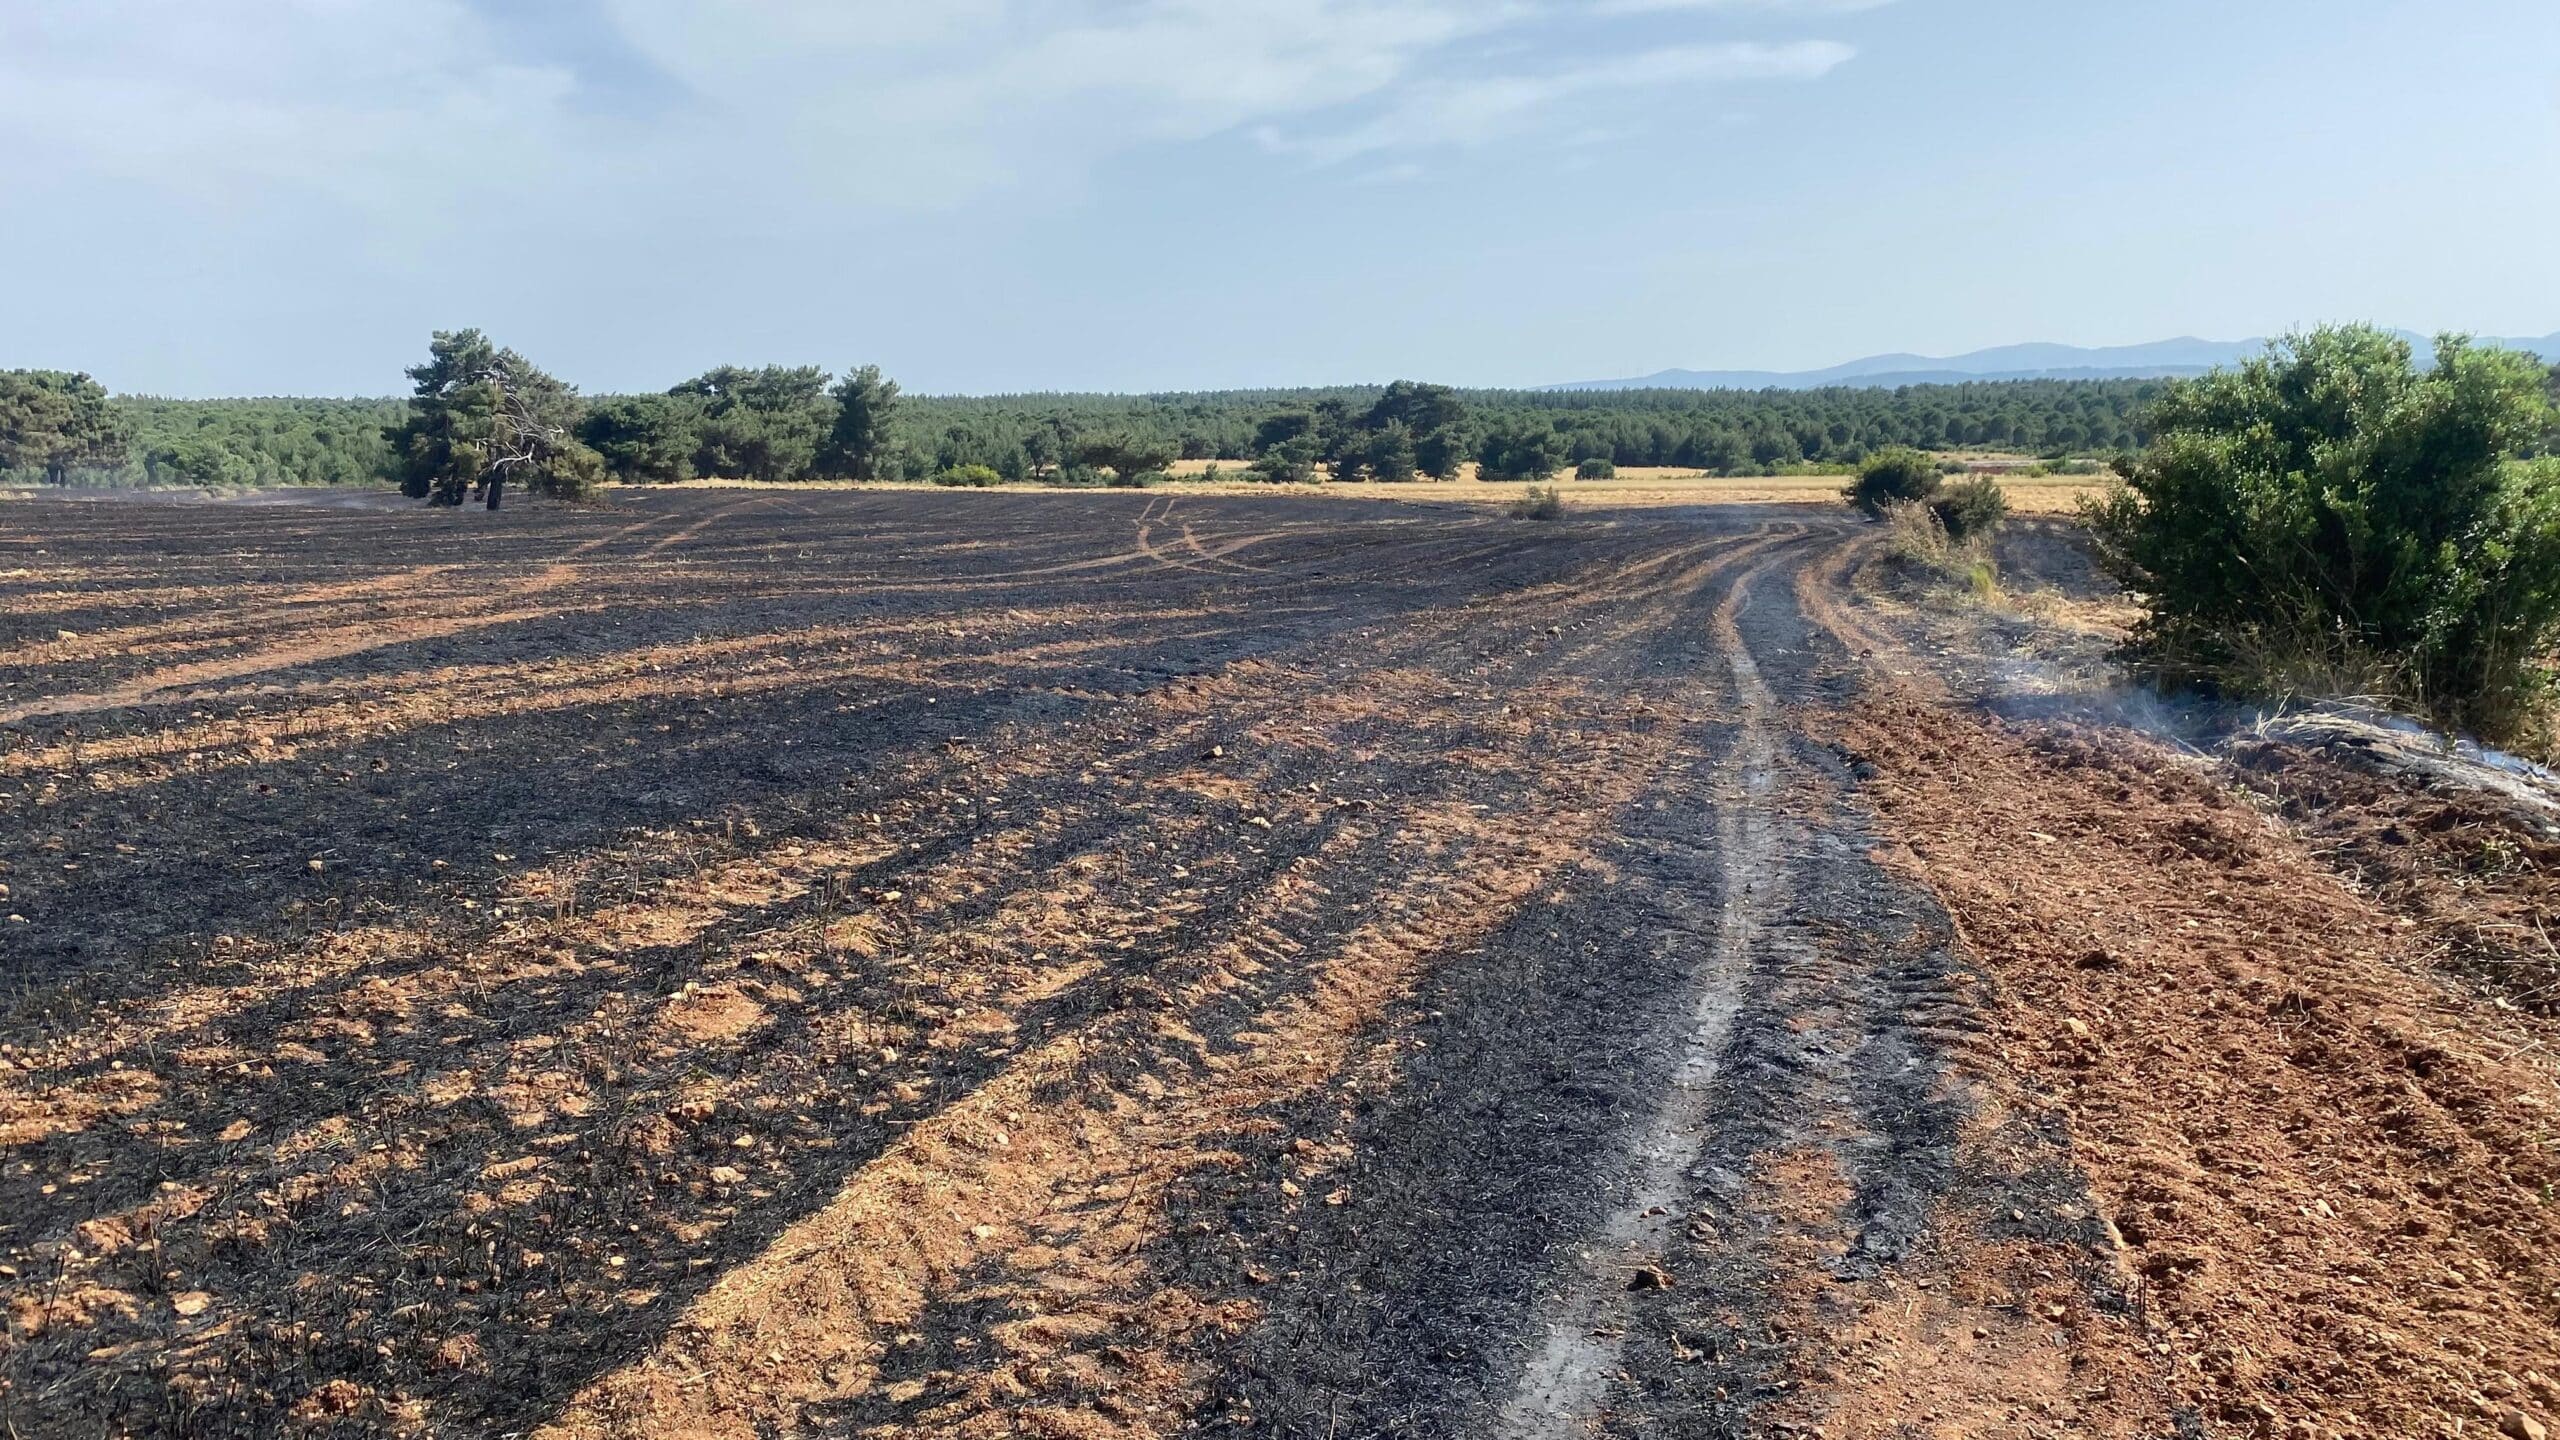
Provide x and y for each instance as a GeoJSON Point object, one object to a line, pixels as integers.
{"type": "Point", "coordinates": [2330, 1172]}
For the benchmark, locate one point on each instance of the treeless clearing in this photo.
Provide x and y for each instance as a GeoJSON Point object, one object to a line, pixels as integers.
{"type": "Point", "coordinates": [833, 962]}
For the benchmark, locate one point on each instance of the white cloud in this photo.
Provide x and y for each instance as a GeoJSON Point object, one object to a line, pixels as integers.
{"type": "Point", "coordinates": [925, 108]}
{"type": "Point", "coordinates": [1483, 110]}
{"type": "Point", "coordinates": [428, 116]}
{"type": "Point", "coordinates": [220, 97]}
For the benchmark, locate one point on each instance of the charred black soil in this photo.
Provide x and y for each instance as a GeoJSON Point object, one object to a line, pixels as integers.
{"type": "Point", "coordinates": [767, 963]}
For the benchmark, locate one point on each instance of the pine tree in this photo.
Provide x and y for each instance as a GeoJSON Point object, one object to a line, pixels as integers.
{"type": "Point", "coordinates": [54, 422]}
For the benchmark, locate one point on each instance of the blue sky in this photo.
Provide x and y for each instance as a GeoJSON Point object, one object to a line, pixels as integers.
{"type": "Point", "coordinates": [285, 196]}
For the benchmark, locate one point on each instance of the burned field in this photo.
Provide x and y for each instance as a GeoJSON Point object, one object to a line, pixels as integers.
{"type": "Point", "coordinates": [754, 963]}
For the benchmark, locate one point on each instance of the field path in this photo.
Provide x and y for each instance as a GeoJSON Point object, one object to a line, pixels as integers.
{"type": "Point", "coordinates": [1564, 1385]}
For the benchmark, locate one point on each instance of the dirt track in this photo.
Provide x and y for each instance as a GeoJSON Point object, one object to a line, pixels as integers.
{"type": "Point", "coordinates": [889, 964]}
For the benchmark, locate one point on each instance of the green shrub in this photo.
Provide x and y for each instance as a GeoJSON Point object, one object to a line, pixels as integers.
{"type": "Point", "coordinates": [1538, 502]}
{"type": "Point", "coordinates": [1972, 509]}
{"type": "Point", "coordinates": [1595, 470]}
{"type": "Point", "coordinates": [1895, 473]}
{"type": "Point", "coordinates": [2330, 508]}
{"type": "Point", "coordinates": [971, 476]}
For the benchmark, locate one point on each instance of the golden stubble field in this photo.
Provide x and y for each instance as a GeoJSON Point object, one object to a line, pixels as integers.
{"type": "Point", "coordinates": [1644, 486]}
{"type": "Point", "coordinates": [1636, 487]}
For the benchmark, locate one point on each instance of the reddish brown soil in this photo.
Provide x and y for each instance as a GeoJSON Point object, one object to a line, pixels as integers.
{"type": "Point", "coordinates": [2477, 873]}
{"type": "Point", "coordinates": [2333, 1170]}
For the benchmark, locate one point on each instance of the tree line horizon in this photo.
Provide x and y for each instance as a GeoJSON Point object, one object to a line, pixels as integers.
{"type": "Point", "coordinates": [783, 423]}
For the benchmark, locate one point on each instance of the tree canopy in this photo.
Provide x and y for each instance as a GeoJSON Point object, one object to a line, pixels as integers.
{"type": "Point", "coordinates": [1127, 461]}
{"type": "Point", "coordinates": [761, 424]}
{"type": "Point", "coordinates": [1726, 431]}
{"type": "Point", "coordinates": [1427, 426]}
{"type": "Point", "coordinates": [794, 423]}
{"type": "Point", "coordinates": [859, 440]}
{"type": "Point", "coordinates": [53, 422]}
{"type": "Point", "coordinates": [482, 416]}
{"type": "Point", "coordinates": [1522, 450]}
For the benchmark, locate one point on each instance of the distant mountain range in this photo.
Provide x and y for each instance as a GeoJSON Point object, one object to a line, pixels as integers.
{"type": "Point", "coordinates": [2184, 356]}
